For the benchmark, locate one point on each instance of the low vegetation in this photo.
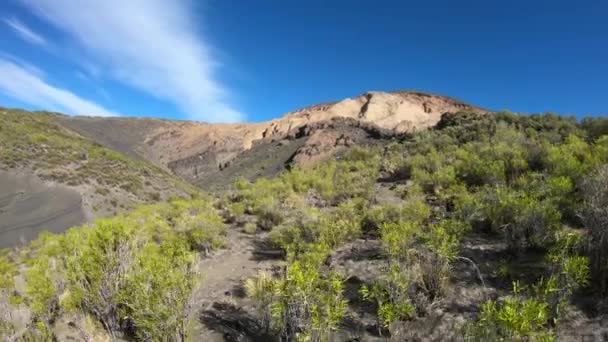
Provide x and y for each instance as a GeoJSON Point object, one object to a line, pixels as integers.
{"type": "Point", "coordinates": [38, 143]}
{"type": "Point", "coordinates": [535, 184]}
{"type": "Point", "coordinates": [132, 274]}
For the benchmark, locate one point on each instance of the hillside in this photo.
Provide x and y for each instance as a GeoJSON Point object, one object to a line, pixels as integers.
{"type": "Point", "coordinates": [52, 178]}
{"type": "Point", "coordinates": [485, 227]}
{"type": "Point", "coordinates": [373, 218]}
{"type": "Point", "coordinates": [197, 151]}
{"type": "Point", "coordinates": [74, 169]}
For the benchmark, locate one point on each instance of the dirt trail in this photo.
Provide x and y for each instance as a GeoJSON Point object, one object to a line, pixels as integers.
{"type": "Point", "coordinates": [220, 304]}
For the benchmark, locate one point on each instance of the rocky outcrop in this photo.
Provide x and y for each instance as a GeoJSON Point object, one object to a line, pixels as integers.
{"type": "Point", "coordinates": [193, 149]}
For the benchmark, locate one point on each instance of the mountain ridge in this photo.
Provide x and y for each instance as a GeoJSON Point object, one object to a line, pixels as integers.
{"type": "Point", "coordinates": [102, 164]}
{"type": "Point", "coordinates": [166, 142]}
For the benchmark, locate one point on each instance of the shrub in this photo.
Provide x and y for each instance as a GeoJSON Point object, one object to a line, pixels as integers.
{"type": "Point", "coordinates": [595, 219]}
{"type": "Point", "coordinates": [236, 210]}
{"type": "Point", "coordinates": [97, 271]}
{"type": "Point", "coordinates": [156, 291]}
{"type": "Point", "coordinates": [204, 231]}
{"type": "Point", "coordinates": [594, 127]}
{"type": "Point", "coordinates": [7, 273]}
{"type": "Point", "coordinates": [474, 170]}
{"type": "Point", "coordinates": [522, 219]}
{"type": "Point", "coordinates": [250, 228]}
{"type": "Point", "coordinates": [311, 226]}
{"type": "Point", "coordinates": [378, 215]}
{"type": "Point", "coordinates": [340, 225]}
{"type": "Point", "coordinates": [514, 318]}
{"type": "Point", "coordinates": [392, 295]}
{"type": "Point", "coordinates": [572, 159]}
{"type": "Point", "coordinates": [392, 291]}
{"type": "Point", "coordinates": [302, 305]}
{"type": "Point", "coordinates": [269, 216]}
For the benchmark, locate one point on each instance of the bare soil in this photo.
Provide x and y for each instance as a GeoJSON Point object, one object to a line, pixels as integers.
{"type": "Point", "coordinates": [29, 206]}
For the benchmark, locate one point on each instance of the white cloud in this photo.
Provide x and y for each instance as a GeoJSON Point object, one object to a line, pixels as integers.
{"type": "Point", "coordinates": [25, 32]}
{"type": "Point", "coordinates": [15, 60]}
{"type": "Point", "coordinates": [151, 45]}
{"type": "Point", "coordinates": [24, 85]}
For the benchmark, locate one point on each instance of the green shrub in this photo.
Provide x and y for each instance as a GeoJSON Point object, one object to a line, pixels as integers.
{"type": "Point", "coordinates": [156, 291]}
{"type": "Point", "coordinates": [269, 216]}
{"type": "Point", "coordinates": [133, 271]}
{"type": "Point", "coordinates": [513, 319]}
{"type": "Point", "coordinates": [392, 291]}
{"type": "Point", "coordinates": [7, 283]}
{"type": "Point", "coordinates": [392, 295]}
{"type": "Point", "coordinates": [522, 219]}
{"type": "Point", "coordinates": [7, 273]}
{"type": "Point", "coordinates": [250, 228]}
{"type": "Point", "coordinates": [236, 210]}
{"type": "Point", "coordinates": [472, 169]}
{"type": "Point", "coordinates": [378, 215]}
{"type": "Point", "coordinates": [204, 231]}
{"type": "Point", "coordinates": [594, 127]}
{"type": "Point", "coordinates": [302, 304]}
{"type": "Point", "coordinates": [595, 219]}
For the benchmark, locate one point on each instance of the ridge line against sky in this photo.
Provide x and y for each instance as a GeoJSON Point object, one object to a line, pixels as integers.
{"type": "Point", "coordinates": [150, 46]}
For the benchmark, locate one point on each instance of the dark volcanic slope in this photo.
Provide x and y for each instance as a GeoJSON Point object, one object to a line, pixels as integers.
{"type": "Point", "coordinates": [125, 135]}
{"type": "Point", "coordinates": [29, 206]}
{"type": "Point", "coordinates": [36, 153]}
{"type": "Point", "coordinates": [304, 146]}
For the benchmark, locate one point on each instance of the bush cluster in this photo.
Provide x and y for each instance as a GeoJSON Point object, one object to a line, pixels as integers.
{"type": "Point", "coordinates": [134, 274]}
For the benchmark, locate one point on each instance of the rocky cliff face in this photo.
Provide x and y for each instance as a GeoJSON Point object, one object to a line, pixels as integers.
{"type": "Point", "coordinates": [193, 150]}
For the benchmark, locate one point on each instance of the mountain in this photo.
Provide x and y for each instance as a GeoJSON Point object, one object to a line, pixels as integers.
{"type": "Point", "coordinates": [205, 154]}
{"type": "Point", "coordinates": [358, 223]}
{"type": "Point", "coordinates": [73, 169]}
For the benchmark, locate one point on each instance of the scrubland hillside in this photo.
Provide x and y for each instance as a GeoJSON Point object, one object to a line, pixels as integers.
{"type": "Point", "coordinates": [485, 227]}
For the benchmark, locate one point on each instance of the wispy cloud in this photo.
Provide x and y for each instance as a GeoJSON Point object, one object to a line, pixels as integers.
{"type": "Point", "coordinates": [151, 45]}
{"type": "Point", "coordinates": [25, 32]}
{"type": "Point", "coordinates": [23, 84]}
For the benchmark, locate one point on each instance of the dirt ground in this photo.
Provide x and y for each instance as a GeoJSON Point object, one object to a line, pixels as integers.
{"type": "Point", "coordinates": [29, 206]}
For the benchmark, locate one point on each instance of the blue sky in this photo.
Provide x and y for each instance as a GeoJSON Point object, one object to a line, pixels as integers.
{"type": "Point", "coordinates": [234, 60]}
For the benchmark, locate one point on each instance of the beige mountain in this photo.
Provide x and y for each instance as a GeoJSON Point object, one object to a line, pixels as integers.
{"type": "Point", "coordinates": [193, 150]}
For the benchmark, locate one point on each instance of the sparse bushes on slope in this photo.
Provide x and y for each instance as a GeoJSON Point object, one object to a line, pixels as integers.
{"type": "Point", "coordinates": [515, 318]}
{"type": "Point", "coordinates": [522, 219]}
{"type": "Point", "coordinates": [306, 303]}
{"type": "Point", "coordinates": [36, 141]}
{"type": "Point", "coordinates": [302, 304]}
{"type": "Point", "coordinates": [521, 177]}
{"type": "Point", "coordinates": [134, 274]}
{"type": "Point", "coordinates": [7, 273]}
{"type": "Point", "coordinates": [532, 314]}
{"type": "Point", "coordinates": [595, 219]}
{"type": "Point", "coordinates": [419, 256]}
{"type": "Point", "coordinates": [594, 127]}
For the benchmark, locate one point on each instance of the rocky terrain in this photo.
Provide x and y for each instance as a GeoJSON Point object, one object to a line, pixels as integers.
{"type": "Point", "coordinates": [388, 216]}
{"type": "Point", "coordinates": [210, 156]}
{"type": "Point", "coordinates": [198, 151]}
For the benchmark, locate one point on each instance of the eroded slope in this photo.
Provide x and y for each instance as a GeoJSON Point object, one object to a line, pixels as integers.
{"type": "Point", "coordinates": [65, 174]}
{"type": "Point", "coordinates": [196, 151]}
